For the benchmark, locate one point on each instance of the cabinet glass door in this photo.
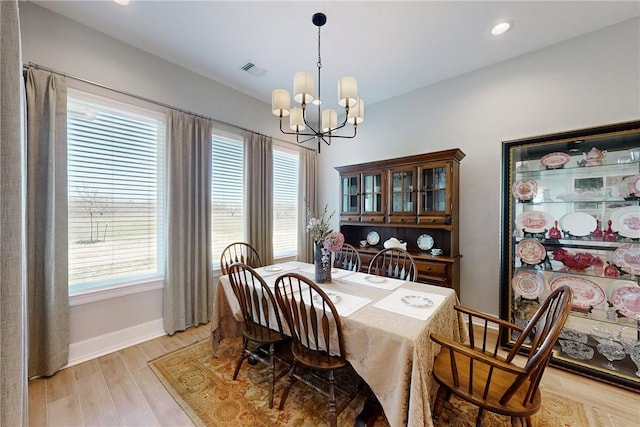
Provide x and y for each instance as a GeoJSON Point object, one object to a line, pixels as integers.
{"type": "Point", "coordinates": [350, 193]}
{"type": "Point", "coordinates": [434, 189]}
{"type": "Point", "coordinates": [402, 191]}
{"type": "Point", "coordinates": [571, 216]}
{"type": "Point", "coordinates": [372, 193]}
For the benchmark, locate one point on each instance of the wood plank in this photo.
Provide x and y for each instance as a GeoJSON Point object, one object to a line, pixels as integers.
{"type": "Point", "coordinates": [61, 385]}
{"type": "Point", "coordinates": [95, 401]}
{"type": "Point", "coordinates": [131, 405]}
{"type": "Point", "coordinates": [165, 408]}
{"type": "Point", "coordinates": [65, 412]}
{"type": "Point", "coordinates": [38, 402]}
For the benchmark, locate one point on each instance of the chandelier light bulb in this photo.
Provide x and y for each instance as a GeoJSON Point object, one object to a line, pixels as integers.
{"type": "Point", "coordinates": [356, 113]}
{"type": "Point", "coordinates": [303, 87]}
{"type": "Point", "coordinates": [347, 91]}
{"type": "Point", "coordinates": [329, 120]}
{"type": "Point", "coordinates": [280, 102]}
{"type": "Point", "coordinates": [296, 119]}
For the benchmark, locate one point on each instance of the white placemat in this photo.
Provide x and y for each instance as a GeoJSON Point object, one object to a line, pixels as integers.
{"type": "Point", "coordinates": [275, 269]}
{"type": "Point", "coordinates": [394, 302]}
{"type": "Point", "coordinates": [336, 273]}
{"type": "Point", "coordinates": [347, 305]}
{"type": "Point", "coordinates": [375, 281]}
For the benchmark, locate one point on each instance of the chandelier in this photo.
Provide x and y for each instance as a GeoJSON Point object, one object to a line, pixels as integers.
{"type": "Point", "coordinates": [327, 120]}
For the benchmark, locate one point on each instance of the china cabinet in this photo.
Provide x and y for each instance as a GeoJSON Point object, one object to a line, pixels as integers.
{"type": "Point", "coordinates": [571, 216]}
{"type": "Point", "coordinates": [414, 199]}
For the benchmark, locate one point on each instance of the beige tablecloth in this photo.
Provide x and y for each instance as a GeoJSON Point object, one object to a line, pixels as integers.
{"type": "Point", "coordinates": [390, 351]}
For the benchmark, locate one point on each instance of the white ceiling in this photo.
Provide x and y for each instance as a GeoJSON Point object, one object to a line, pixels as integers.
{"type": "Point", "coordinates": [392, 47]}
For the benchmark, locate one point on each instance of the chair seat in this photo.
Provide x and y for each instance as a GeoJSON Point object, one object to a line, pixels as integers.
{"type": "Point", "coordinates": [500, 382]}
{"type": "Point", "coordinates": [318, 359]}
{"type": "Point", "coordinates": [263, 335]}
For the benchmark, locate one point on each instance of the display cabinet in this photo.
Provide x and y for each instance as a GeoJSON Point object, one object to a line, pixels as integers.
{"type": "Point", "coordinates": [414, 199]}
{"type": "Point", "coordinates": [571, 216]}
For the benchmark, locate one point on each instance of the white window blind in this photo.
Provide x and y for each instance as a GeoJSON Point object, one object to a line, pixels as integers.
{"type": "Point", "coordinates": [227, 194]}
{"type": "Point", "coordinates": [114, 191]}
{"type": "Point", "coordinates": [285, 202]}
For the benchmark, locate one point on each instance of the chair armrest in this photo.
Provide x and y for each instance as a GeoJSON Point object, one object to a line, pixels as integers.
{"type": "Point", "coordinates": [488, 317]}
{"type": "Point", "coordinates": [478, 355]}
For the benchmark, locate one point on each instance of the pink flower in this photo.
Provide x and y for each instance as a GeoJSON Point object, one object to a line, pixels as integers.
{"type": "Point", "coordinates": [334, 241]}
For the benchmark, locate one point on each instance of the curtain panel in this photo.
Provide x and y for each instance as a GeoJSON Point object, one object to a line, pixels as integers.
{"type": "Point", "coordinates": [188, 288]}
{"type": "Point", "coordinates": [47, 242]}
{"type": "Point", "coordinates": [259, 192]}
{"type": "Point", "coordinates": [13, 323]}
{"type": "Point", "coordinates": [308, 199]}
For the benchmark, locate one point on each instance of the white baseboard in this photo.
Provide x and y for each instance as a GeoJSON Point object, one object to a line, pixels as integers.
{"type": "Point", "coordinates": [108, 343]}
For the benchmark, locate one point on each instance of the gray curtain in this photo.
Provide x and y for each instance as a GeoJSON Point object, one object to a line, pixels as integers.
{"type": "Point", "coordinates": [259, 191]}
{"type": "Point", "coordinates": [188, 288]}
{"type": "Point", "coordinates": [308, 198]}
{"type": "Point", "coordinates": [47, 269]}
{"type": "Point", "coordinates": [13, 324]}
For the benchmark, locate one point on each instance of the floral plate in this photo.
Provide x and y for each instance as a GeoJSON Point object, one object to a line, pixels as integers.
{"type": "Point", "coordinates": [585, 292]}
{"type": "Point", "coordinates": [530, 251]}
{"type": "Point", "coordinates": [416, 301]}
{"type": "Point", "coordinates": [528, 283]}
{"type": "Point", "coordinates": [627, 301]}
{"type": "Point", "coordinates": [555, 160]}
{"type": "Point", "coordinates": [627, 257]}
{"type": "Point", "coordinates": [524, 189]}
{"type": "Point", "coordinates": [373, 238]}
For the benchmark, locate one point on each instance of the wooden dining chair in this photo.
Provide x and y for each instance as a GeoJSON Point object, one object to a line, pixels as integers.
{"type": "Point", "coordinates": [394, 262]}
{"type": "Point", "coordinates": [347, 258]}
{"type": "Point", "coordinates": [317, 341]}
{"type": "Point", "coordinates": [476, 372]}
{"type": "Point", "coordinates": [239, 252]}
{"type": "Point", "coordinates": [262, 322]}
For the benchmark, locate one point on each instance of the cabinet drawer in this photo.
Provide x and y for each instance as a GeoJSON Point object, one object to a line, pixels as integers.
{"type": "Point", "coordinates": [426, 268]}
{"type": "Point", "coordinates": [349, 218]}
{"type": "Point", "coordinates": [397, 219]}
{"type": "Point", "coordinates": [372, 218]}
{"type": "Point", "coordinates": [435, 219]}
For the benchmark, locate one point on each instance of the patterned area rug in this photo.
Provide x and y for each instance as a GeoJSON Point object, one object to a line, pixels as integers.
{"type": "Point", "coordinates": [203, 387]}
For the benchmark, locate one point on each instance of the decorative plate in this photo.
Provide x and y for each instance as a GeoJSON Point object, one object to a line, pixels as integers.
{"type": "Point", "coordinates": [534, 221]}
{"type": "Point", "coordinates": [627, 257]}
{"type": "Point", "coordinates": [530, 251]}
{"type": "Point", "coordinates": [416, 301]}
{"type": "Point", "coordinates": [528, 283]}
{"type": "Point", "coordinates": [373, 238]}
{"type": "Point", "coordinates": [272, 268]}
{"type": "Point", "coordinates": [626, 221]}
{"type": "Point", "coordinates": [374, 279]}
{"type": "Point", "coordinates": [524, 189]}
{"type": "Point", "coordinates": [555, 160]}
{"type": "Point", "coordinates": [578, 223]}
{"type": "Point", "coordinates": [585, 292]}
{"type": "Point", "coordinates": [573, 335]}
{"type": "Point", "coordinates": [633, 185]}
{"type": "Point", "coordinates": [627, 301]}
{"type": "Point", "coordinates": [425, 242]}
{"type": "Point", "coordinates": [334, 298]}
{"type": "Point", "coordinates": [576, 350]}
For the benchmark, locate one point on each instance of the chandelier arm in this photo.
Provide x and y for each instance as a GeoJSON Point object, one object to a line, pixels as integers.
{"type": "Point", "coordinates": [295, 133]}
{"type": "Point", "coordinates": [304, 119]}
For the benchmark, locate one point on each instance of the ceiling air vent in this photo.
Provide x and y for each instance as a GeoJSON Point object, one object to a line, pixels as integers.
{"type": "Point", "coordinates": [254, 69]}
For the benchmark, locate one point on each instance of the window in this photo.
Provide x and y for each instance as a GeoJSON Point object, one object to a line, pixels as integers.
{"type": "Point", "coordinates": [285, 202]}
{"type": "Point", "coordinates": [115, 185]}
{"type": "Point", "coordinates": [227, 194]}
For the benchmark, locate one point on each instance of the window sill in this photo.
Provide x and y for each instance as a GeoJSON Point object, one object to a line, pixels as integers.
{"type": "Point", "coordinates": [88, 296]}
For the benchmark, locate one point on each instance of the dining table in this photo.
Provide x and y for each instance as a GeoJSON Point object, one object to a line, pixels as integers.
{"type": "Point", "coordinates": [386, 326]}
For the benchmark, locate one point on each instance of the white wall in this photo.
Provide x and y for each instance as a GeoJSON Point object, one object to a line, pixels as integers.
{"type": "Point", "coordinates": [584, 82]}
{"type": "Point", "coordinates": [588, 81]}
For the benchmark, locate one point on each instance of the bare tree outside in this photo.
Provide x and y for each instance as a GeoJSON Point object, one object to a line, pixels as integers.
{"type": "Point", "coordinates": [93, 205]}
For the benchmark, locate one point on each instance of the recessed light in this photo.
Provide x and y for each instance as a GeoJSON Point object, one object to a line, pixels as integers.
{"type": "Point", "coordinates": [122, 2]}
{"type": "Point", "coordinates": [501, 28]}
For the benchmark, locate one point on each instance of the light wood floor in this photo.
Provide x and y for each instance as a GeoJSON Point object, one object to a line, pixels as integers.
{"type": "Point", "coordinates": [119, 389]}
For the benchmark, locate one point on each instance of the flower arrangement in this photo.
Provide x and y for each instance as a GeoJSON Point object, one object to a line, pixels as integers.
{"type": "Point", "coordinates": [326, 241]}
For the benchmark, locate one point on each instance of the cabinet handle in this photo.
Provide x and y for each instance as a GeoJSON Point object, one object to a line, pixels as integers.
{"type": "Point", "coordinates": [401, 219]}
{"type": "Point", "coordinates": [372, 219]}
{"type": "Point", "coordinates": [428, 268]}
{"type": "Point", "coordinates": [432, 220]}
